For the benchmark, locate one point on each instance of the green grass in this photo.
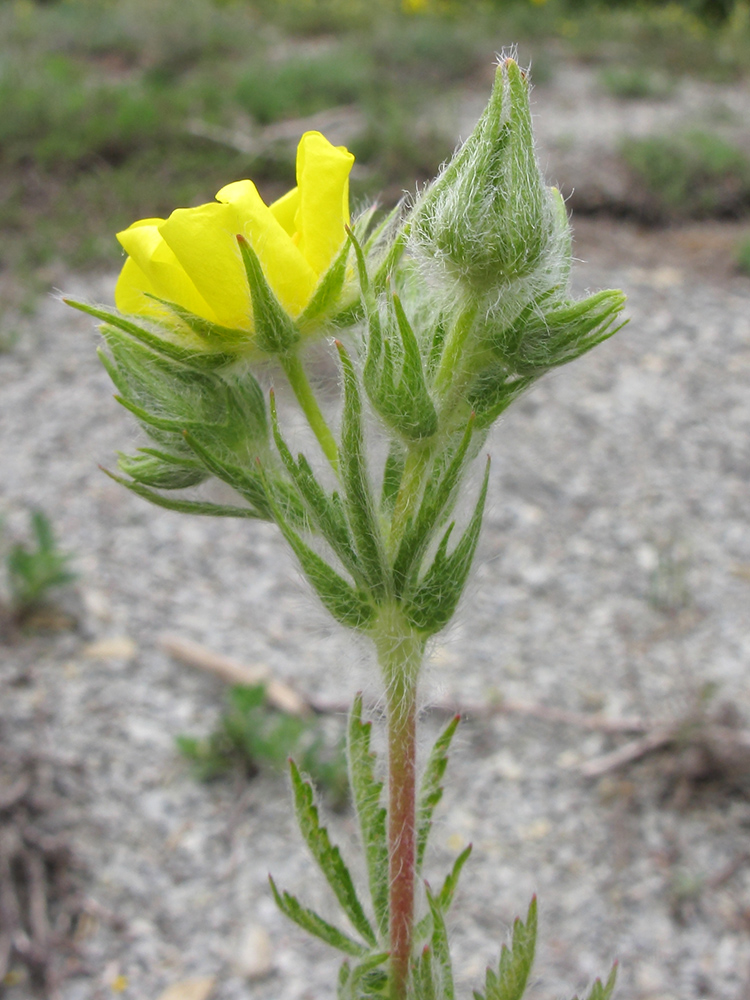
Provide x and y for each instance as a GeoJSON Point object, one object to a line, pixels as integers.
{"type": "Point", "coordinates": [691, 175]}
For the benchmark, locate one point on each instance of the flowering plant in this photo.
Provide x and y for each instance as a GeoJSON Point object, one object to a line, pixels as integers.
{"type": "Point", "coordinates": [438, 320]}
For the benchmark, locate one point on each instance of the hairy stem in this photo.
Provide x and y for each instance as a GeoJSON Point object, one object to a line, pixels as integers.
{"type": "Point", "coordinates": [295, 372]}
{"type": "Point", "coordinates": [417, 461]}
{"type": "Point", "coordinates": [400, 653]}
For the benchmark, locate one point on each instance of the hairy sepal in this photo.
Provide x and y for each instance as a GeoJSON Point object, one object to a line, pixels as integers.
{"type": "Point", "coordinates": [185, 506]}
{"type": "Point", "coordinates": [367, 980]}
{"type": "Point", "coordinates": [275, 331]}
{"type": "Point", "coordinates": [509, 982]}
{"type": "Point", "coordinates": [371, 814]}
{"type": "Point", "coordinates": [161, 470]}
{"type": "Point", "coordinates": [327, 856]}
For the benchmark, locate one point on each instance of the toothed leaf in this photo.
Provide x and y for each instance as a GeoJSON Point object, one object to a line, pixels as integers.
{"type": "Point", "coordinates": [371, 814]}
{"type": "Point", "coordinates": [327, 856]}
{"type": "Point", "coordinates": [309, 921]}
{"type": "Point", "coordinates": [431, 790]}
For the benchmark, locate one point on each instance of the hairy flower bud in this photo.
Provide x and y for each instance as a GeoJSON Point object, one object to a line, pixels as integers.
{"type": "Point", "coordinates": [489, 219]}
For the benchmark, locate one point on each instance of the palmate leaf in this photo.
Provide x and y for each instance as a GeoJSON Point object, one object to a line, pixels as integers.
{"type": "Point", "coordinates": [509, 982]}
{"type": "Point", "coordinates": [309, 921]}
{"type": "Point", "coordinates": [357, 491]}
{"type": "Point", "coordinates": [327, 856]}
{"type": "Point", "coordinates": [370, 813]}
{"type": "Point", "coordinates": [348, 605]}
{"type": "Point", "coordinates": [326, 513]}
{"type": "Point", "coordinates": [603, 991]}
{"type": "Point", "coordinates": [431, 604]}
{"type": "Point", "coordinates": [448, 891]}
{"type": "Point", "coordinates": [436, 502]}
{"type": "Point", "coordinates": [431, 791]}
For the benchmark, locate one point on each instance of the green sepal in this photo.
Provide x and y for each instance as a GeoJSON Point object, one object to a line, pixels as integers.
{"type": "Point", "coordinates": [436, 503]}
{"type": "Point", "coordinates": [358, 501]}
{"type": "Point", "coordinates": [327, 292]}
{"type": "Point", "coordinates": [185, 506]}
{"type": "Point", "coordinates": [164, 388]}
{"type": "Point", "coordinates": [327, 856]}
{"type": "Point", "coordinates": [509, 982]}
{"type": "Point", "coordinates": [348, 605]}
{"type": "Point", "coordinates": [370, 813]}
{"type": "Point", "coordinates": [203, 361]}
{"type": "Point", "coordinates": [430, 606]}
{"type": "Point", "coordinates": [367, 980]}
{"type": "Point", "coordinates": [151, 420]}
{"type": "Point", "coordinates": [393, 473]}
{"type": "Point", "coordinates": [309, 921]}
{"type": "Point", "coordinates": [326, 513]}
{"type": "Point", "coordinates": [160, 470]}
{"type": "Point", "coordinates": [441, 956]}
{"type": "Point", "coordinates": [275, 331]}
{"type": "Point", "coordinates": [213, 333]}
{"type": "Point", "coordinates": [493, 392]}
{"type": "Point", "coordinates": [430, 789]}
{"type": "Point", "coordinates": [603, 991]}
{"type": "Point", "coordinates": [545, 336]}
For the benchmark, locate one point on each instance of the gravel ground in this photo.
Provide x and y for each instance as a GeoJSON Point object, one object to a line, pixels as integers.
{"type": "Point", "coordinates": [613, 575]}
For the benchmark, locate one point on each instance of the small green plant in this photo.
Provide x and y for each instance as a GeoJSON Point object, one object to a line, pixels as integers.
{"type": "Point", "coordinates": [36, 570]}
{"type": "Point", "coordinates": [251, 734]}
{"type": "Point", "coordinates": [633, 83]}
{"type": "Point", "coordinates": [437, 320]}
{"type": "Point", "coordinates": [691, 174]}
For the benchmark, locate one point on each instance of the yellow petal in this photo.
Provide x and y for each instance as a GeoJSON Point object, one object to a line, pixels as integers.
{"type": "Point", "coordinates": [284, 210]}
{"type": "Point", "coordinates": [287, 272]}
{"type": "Point", "coordinates": [323, 181]}
{"type": "Point", "coordinates": [203, 240]}
{"type": "Point", "coordinates": [152, 267]}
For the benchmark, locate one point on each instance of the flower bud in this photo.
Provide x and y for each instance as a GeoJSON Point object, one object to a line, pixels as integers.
{"type": "Point", "coordinates": [489, 218]}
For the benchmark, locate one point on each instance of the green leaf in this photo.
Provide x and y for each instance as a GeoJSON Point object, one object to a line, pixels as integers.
{"type": "Point", "coordinates": [604, 991]}
{"type": "Point", "coordinates": [325, 512]}
{"type": "Point", "coordinates": [393, 473]}
{"type": "Point", "coordinates": [327, 856]}
{"type": "Point", "coordinates": [367, 980]}
{"type": "Point", "coordinates": [509, 983]}
{"type": "Point", "coordinates": [370, 813]}
{"type": "Point", "coordinates": [446, 894]}
{"type": "Point", "coordinates": [494, 391]}
{"type": "Point", "coordinates": [437, 501]}
{"type": "Point", "coordinates": [431, 790]}
{"type": "Point", "coordinates": [441, 951]}
{"type": "Point", "coordinates": [205, 361]}
{"type": "Point", "coordinates": [357, 491]}
{"type": "Point", "coordinates": [247, 482]}
{"type": "Point", "coordinates": [185, 506]}
{"type": "Point", "coordinates": [275, 332]}
{"type": "Point", "coordinates": [432, 603]}
{"type": "Point", "coordinates": [424, 977]}
{"type": "Point", "coordinates": [309, 921]}
{"type": "Point", "coordinates": [349, 606]}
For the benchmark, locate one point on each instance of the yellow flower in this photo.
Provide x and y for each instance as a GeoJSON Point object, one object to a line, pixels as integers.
{"type": "Point", "coordinates": [192, 258]}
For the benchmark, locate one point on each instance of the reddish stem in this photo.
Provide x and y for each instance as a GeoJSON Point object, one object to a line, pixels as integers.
{"type": "Point", "coordinates": [401, 831]}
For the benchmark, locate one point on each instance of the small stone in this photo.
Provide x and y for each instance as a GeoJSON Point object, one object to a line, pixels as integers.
{"type": "Point", "coordinates": [253, 959]}
{"type": "Point", "coordinates": [189, 989]}
{"type": "Point", "coordinates": [118, 647]}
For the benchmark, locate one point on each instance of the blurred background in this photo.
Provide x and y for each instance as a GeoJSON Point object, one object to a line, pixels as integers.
{"type": "Point", "coordinates": [141, 802]}
{"type": "Point", "coordinates": [118, 110]}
